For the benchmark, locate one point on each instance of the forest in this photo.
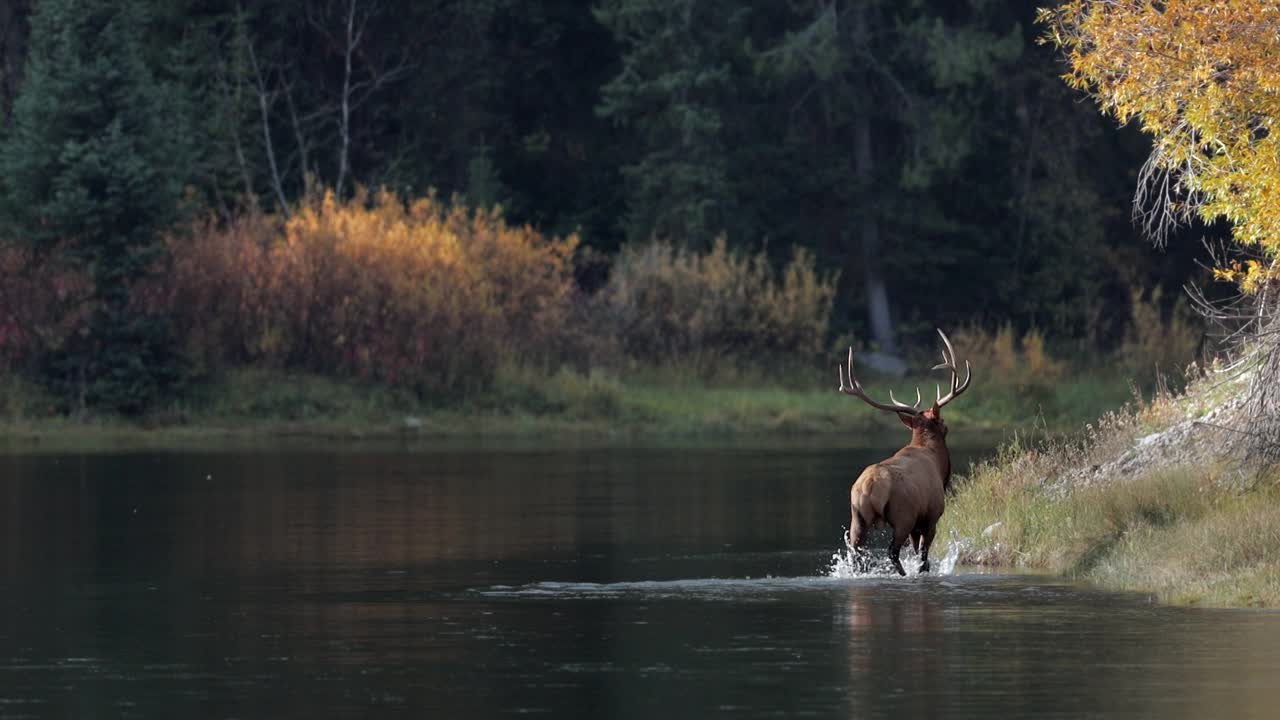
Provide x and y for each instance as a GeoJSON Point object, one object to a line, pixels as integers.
{"type": "Point", "coordinates": [439, 196]}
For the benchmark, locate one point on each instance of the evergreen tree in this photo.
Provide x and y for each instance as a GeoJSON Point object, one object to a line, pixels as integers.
{"type": "Point", "coordinates": [93, 163]}
{"type": "Point", "coordinates": [674, 83]}
{"type": "Point", "coordinates": [880, 100]}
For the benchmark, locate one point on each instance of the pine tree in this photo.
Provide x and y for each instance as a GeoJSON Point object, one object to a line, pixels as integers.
{"type": "Point", "coordinates": [92, 165]}
{"type": "Point", "coordinates": [673, 85]}
{"type": "Point", "coordinates": [879, 112]}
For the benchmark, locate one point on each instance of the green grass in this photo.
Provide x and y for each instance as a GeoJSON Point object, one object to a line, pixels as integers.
{"type": "Point", "coordinates": [665, 402]}
{"type": "Point", "coordinates": [801, 401]}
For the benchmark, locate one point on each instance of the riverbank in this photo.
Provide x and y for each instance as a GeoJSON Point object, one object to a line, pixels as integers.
{"type": "Point", "coordinates": [1147, 500]}
{"type": "Point", "coordinates": [560, 405]}
{"type": "Point", "coordinates": [1136, 501]}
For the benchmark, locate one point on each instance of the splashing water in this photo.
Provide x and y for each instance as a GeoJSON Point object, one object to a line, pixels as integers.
{"type": "Point", "coordinates": [847, 564]}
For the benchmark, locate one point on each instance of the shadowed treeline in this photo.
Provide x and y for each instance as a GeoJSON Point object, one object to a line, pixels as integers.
{"type": "Point", "coordinates": [752, 184]}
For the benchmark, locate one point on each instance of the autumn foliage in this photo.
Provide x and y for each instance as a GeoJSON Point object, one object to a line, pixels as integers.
{"type": "Point", "coordinates": [43, 303]}
{"type": "Point", "coordinates": [1202, 77]}
{"type": "Point", "coordinates": [663, 301]}
{"type": "Point", "coordinates": [414, 292]}
{"type": "Point", "coordinates": [437, 296]}
{"type": "Point", "coordinates": [1019, 360]}
{"type": "Point", "coordinates": [424, 294]}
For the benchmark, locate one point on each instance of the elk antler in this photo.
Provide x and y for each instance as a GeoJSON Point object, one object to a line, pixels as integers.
{"type": "Point", "coordinates": [854, 388]}
{"type": "Point", "coordinates": [949, 363]}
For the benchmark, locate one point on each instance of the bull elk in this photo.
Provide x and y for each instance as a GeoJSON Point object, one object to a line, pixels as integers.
{"type": "Point", "coordinates": [907, 491]}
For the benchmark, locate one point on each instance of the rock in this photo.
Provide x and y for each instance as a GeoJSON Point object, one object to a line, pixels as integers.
{"type": "Point", "coordinates": [1180, 443]}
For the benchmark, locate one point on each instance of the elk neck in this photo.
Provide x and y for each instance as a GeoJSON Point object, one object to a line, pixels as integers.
{"type": "Point", "coordinates": [937, 444]}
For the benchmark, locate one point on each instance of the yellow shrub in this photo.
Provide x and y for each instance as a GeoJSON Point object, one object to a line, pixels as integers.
{"type": "Point", "coordinates": [662, 301]}
{"type": "Point", "coordinates": [419, 293]}
{"type": "Point", "coordinates": [1020, 362]}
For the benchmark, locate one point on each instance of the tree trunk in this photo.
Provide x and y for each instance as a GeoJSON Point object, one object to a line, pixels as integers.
{"type": "Point", "coordinates": [344, 119]}
{"type": "Point", "coordinates": [14, 15]}
{"type": "Point", "coordinates": [878, 315]}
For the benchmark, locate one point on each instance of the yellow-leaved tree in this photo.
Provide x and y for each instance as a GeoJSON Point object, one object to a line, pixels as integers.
{"type": "Point", "coordinates": [1202, 77]}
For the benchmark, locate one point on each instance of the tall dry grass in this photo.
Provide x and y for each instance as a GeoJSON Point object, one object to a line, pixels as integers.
{"type": "Point", "coordinates": [1159, 341]}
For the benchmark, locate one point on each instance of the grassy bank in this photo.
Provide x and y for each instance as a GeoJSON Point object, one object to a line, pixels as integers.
{"type": "Point", "coordinates": [1188, 527]}
{"type": "Point", "coordinates": [526, 402]}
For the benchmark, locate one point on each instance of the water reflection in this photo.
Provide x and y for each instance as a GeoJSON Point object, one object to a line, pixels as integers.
{"type": "Point", "coordinates": [263, 512]}
{"type": "Point", "coordinates": [599, 582]}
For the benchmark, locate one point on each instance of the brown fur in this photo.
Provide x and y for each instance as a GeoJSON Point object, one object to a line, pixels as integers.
{"type": "Point", "coordinates": [907, 492]}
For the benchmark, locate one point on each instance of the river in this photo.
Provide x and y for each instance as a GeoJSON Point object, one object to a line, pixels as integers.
{"type": "Point", "coordinates": [497, 579]}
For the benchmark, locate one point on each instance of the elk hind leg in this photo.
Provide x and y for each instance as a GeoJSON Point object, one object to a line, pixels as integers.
{"type": "Point", "coordinates": [858, 530]}
{"type": "Point", "coordinates": [857, 538]}
{"type": "Point", "coordinates": [899, 539]}
{"type": "Point", "coordinates": [924, 547]}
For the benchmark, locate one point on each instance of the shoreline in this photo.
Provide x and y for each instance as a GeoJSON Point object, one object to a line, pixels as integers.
{"type": "Point", "coordinates": [257, 405]}
{"type": "Point", "coordinates": [66, 435]}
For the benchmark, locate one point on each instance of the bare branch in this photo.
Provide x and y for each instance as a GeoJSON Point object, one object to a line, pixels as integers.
{"type": "Point", "coordinates": [264, 106]}
{"type": "Point", "coordinates": [353, 39]}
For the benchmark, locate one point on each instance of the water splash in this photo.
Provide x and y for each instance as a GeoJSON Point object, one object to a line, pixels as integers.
{"type": "Point", "coordinates": [847, 564]}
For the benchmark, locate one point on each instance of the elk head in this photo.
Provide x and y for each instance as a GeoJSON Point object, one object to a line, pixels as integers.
{"type": "Point", "coordinates": [925, 423]}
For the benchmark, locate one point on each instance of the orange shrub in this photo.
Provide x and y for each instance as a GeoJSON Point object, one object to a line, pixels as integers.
{"type": "Point", "coordinates": [416, 293]}
{"type": "Point", "coordinates": [44, 300]}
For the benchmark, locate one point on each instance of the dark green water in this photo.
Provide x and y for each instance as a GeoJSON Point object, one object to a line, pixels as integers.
{"type": "Point", "coordinates": [489, 581]}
